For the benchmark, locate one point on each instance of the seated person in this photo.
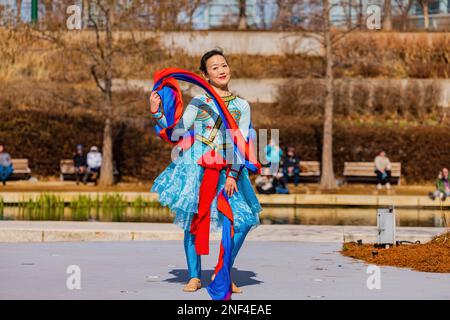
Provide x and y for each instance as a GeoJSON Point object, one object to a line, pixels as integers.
{"type": "Point", "coordinates": [80, 163]}
{"type": "Point", "coordinates": [442, 186]}
{"type": "Point", "coordinates": [383, 170]}
{"type": "Point", "coordinates": [291, 167]}
{"type": "Point", "coordinates": [264, 184]}
{"type": "Point", "coordinates": [279, 184]}
{"type": "Point", "coordinates": [94, 163]}
{"type": "Point", "coordinates": [6, 167]}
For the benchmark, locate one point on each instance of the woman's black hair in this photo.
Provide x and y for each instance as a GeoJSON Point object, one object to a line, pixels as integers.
{"type": "Point", "coordinates": [208, 55]}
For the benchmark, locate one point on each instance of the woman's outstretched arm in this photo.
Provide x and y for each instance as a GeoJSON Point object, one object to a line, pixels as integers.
{"type": "Point", "coordinates": [186, 121]}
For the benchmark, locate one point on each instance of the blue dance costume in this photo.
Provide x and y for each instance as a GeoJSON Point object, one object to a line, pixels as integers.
{"type": "Point", "coordinates": [178, 185]}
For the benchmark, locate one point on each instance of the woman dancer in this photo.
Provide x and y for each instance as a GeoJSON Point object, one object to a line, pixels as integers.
{"type": "Point", "coordinates": [179, 184]}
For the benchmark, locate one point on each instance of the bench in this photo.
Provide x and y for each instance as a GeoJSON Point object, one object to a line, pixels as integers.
{"type": "Point", "coordinates": [21, 169]}
{"type": "Point", "coordinates": [365, 172]}
{"type": "Point", "coordinates": [67, 168]}
{"type": "Point", "coordinates": [309, 171]}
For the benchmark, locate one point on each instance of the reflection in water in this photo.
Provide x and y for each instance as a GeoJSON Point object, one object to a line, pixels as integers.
{"type": "Point", "coordinates": [270, 215]}
{"type": "Point", "coordinates": [114, 214]}
{"type": "Point", "coordinates": [352, 216]}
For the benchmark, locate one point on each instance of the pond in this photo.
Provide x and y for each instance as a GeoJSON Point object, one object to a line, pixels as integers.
{"type": "Point", "coordinates": [152, 212]}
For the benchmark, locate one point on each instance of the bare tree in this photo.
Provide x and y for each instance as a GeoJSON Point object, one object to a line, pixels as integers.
{"type": "Point", "coordinates": [99, 50]}
{"type": "Point", "coordinates": [320, 28]}
{"type": "Point", "coordinates": [328, 180]}
{"type": "Point", "coordinates": [284, 14]}
{"type": "Point", "coordinates": [242, 23]}
{"type": "Point", "coordinates": [426, 17]}
{"type": "Point", "coordinates": [404, 12]}
{"type": "Point", "coordinates": [387, 16]}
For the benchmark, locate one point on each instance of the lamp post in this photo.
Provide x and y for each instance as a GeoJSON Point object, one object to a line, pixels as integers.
{"type": "Point", "coordinates": [34, 11]}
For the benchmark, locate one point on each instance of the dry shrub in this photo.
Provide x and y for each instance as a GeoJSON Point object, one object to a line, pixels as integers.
{"type": "Point", "coordinates": [409, 99]}
{"type": "Point", "coordinates": [393, 55]}
{"type": "Point", "coordinates": [396, 55]}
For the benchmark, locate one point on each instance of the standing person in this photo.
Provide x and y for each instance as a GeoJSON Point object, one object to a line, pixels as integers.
{"type": "Point", "coordinates": [383, 170]}
{"type": "Point", "coordinates": [291, 167]}
{"type": "Point", "coordinates": [6, 167]}
{"type": "Point", "coordinates": [94, 163]}
{"type": "Point", "coordinates": [182, 186]}
{"type": "Point", "coordinates": [80, 163]}
{"type": "Point", "coordinates": [442, 186]}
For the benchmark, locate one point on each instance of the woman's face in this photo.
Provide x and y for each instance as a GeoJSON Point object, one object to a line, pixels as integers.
{"type": "Point", "coordinates": [218, 71]}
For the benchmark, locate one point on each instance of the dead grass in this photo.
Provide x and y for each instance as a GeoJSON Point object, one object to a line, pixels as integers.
{"type": "Point", "coordinates": [433, 256]}
{"type": "Point", "coordinates": [394, 55]}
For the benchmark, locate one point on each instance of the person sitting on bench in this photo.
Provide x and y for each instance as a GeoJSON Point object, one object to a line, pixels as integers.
{"type": "Point", "coordinates": [80, 163]}
{"type": "Point", "coordinates": [442, 186]}
{"type": "Point", "coordinates": [291, 167]}
{"type": "Point", "coordinates": [383, 170]}
{"type": "Point", "coordinates": [94, 162]}
{"type": "Point", "coordinates": [6, 167]}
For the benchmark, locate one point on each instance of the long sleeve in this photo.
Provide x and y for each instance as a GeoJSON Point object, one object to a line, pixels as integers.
{"type": "Point", "coordinates": [186, 121]}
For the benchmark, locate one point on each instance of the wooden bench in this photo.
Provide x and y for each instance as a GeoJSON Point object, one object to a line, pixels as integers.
{"type": "Point", "coordinates": [365, 172]}
{"type": "Point", "coordinates": [21, 169]}
{"type": "Point", "coordinates": [309, 171]}
{"type": "Point", "coordinates": [67, 168]}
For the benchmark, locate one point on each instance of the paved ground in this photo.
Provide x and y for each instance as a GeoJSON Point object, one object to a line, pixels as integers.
{"type": "Point", "coordinates": [156, 270]}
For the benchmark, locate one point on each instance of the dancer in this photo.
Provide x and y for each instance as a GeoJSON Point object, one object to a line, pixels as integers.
{"type": "Point", "coordinates": [191, 185]}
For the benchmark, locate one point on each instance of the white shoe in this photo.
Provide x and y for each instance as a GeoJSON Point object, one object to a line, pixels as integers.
{"type": "Point", "coordinates": [388, 186]}
{"type": "Point", "coordinates": [379, 186]}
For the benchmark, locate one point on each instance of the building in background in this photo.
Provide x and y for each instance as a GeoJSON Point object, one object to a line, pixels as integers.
{"type": "Point", "coordinates": [259, 14]}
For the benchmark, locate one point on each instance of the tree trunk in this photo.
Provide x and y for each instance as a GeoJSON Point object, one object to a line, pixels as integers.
{"type": "Point", "coordinates": [387, 19]}
{"type": "Point", "coordinates": [405, 14]}
{"type": "Point", "coordinates": [360, 16]}
{"type": "Point", "coordinates": [85, 14]}
{"type": "Point", "coordinates": [348, 14]}
{"type": "Point", "coordinates": [242, 25]}
{"type": "Point", "coordinates": [106, 174]}
{"type": "Point", "coordinates": [19, 10]}
{"type": "Point", "coordinates": [426, 17]}
{"type": "Point", "coordinates": [328, 180]}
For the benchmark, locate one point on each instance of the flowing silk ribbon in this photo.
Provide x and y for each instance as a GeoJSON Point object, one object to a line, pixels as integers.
{"type": "Point", "coordinates": [168, 89]}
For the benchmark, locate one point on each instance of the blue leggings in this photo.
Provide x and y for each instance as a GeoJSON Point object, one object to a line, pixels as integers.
{"type": "Point", "coordinates": [194, 261]}
{"type": "Point", "coordinates": [5, 172]}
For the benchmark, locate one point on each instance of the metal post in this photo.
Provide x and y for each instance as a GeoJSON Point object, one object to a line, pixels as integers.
{"type": "Point", "coordinates": [34, 11]}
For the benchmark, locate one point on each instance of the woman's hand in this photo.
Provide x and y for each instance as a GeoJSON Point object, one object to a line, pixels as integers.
{"type": "Point", "coordinates": [155, 101]}
{"type": "Point", "coordinates": [230, 186]}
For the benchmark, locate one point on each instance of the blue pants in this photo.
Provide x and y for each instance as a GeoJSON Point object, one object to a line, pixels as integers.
{"type": "Point", "coordinates": [5, 172]}
{"type": "Point", "coordinates": [194, 260]}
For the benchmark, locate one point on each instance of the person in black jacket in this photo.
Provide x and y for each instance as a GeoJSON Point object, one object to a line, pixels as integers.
{"type": "Point", "coordinates": [291, 167]}
{"type": "Point", "coordinates": [80, 163]}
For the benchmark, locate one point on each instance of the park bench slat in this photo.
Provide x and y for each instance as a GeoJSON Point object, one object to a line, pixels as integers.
{"type": "Point", "coordinates": [20, 166]}
{"type": "Point", "coordinates": [67, 168]}
{"type": "Point", "coordinates": [365, 171]}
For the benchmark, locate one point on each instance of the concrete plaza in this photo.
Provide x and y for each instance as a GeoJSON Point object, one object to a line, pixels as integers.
{"type": "Point", "coordinates": [157, 270]}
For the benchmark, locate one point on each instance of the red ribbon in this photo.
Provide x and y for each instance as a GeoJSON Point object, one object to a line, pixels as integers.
{"type": "Point", "coordinates": [213, 162]}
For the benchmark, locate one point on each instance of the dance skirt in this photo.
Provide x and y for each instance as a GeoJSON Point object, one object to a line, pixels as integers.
{"type": "Point", "coordinates": [179, 184]}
